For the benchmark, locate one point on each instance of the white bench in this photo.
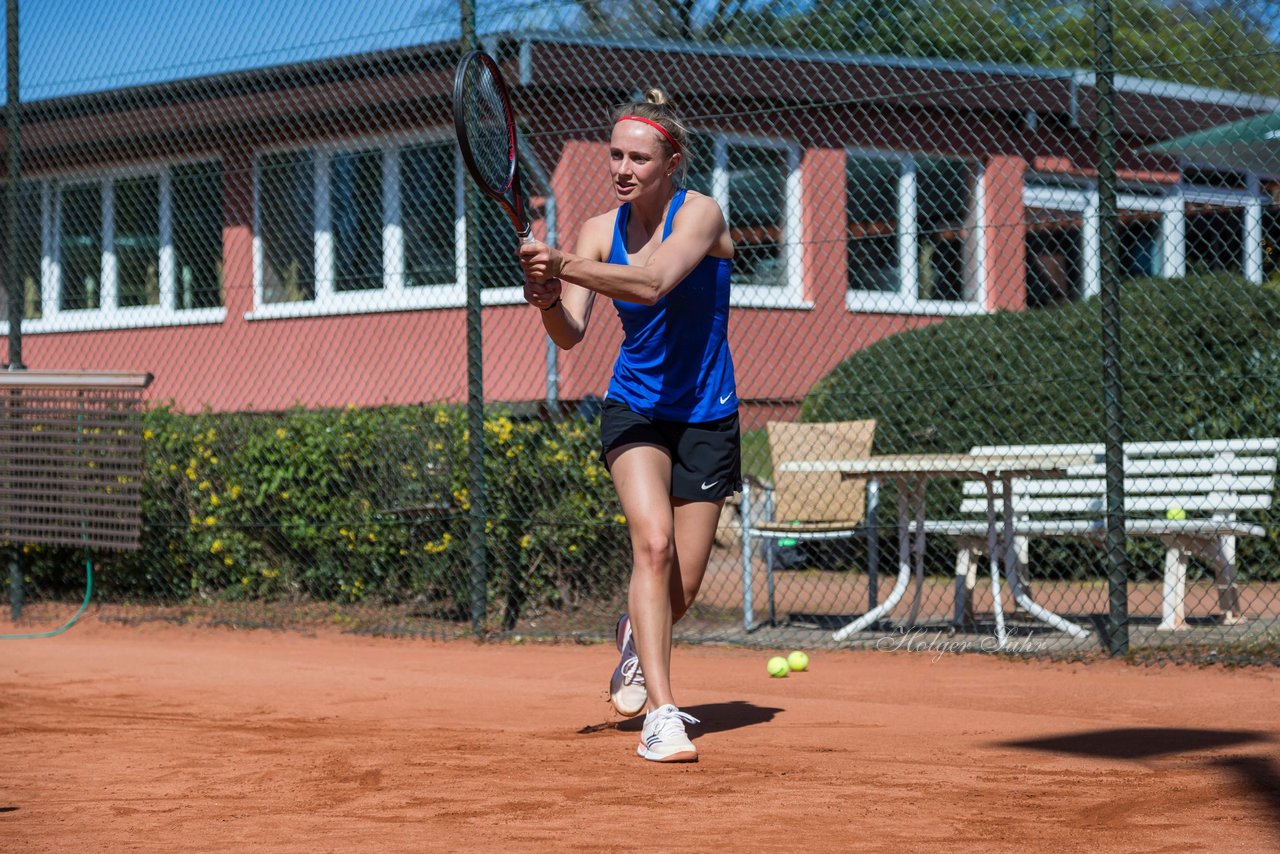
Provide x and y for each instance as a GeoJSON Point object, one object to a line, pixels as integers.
{"type": "Point", "coordinates": [1187, 494]}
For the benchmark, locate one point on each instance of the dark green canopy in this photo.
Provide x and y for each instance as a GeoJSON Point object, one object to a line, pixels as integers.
{"type": "Point", "coordinates": [1252, 144]}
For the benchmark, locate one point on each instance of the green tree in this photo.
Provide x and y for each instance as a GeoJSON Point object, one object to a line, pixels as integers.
{"type": "Point", "coordinates": [1221, 46]}
{"type": "Point", "coordinates": [1215, 43]}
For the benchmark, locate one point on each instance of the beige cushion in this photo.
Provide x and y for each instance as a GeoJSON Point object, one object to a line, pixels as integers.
{"type": "Point", "coordinates": [819, 497]}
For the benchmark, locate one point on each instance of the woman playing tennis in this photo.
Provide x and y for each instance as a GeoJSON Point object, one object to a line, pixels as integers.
{"type": "Point", "coordinates": [669, 427]}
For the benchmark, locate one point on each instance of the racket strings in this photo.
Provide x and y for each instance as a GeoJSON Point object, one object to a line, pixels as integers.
{"type": "Point", "coordinates": [488, 130]}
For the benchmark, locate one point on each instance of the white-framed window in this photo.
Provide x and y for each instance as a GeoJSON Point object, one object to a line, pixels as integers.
{"type": "Point", "coordinates": [1224, 228]}
{"type": "Point", "coordinates": [756, 182]}
{"type": "Point", "coordinates": [914, 240]}
{"type": "Point", "coordinates": [1162, 231]}
{"type": "Point", "coordinates": [371, 225]}
{"type": "Point", "coordinates": [136, 246]}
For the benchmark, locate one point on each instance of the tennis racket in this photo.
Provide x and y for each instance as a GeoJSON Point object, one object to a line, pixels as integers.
{"type": "Point", "coordinates": [486, 130]}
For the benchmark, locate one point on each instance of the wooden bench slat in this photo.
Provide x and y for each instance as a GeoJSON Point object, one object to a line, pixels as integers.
{"type": "Point", "coordinates": [1185, 465]}
{"type": "Point", "coordinates": [1184, 447]}
{"type": "Point", "coordinates": [1132, 504]}
{"type": "Point", "coordinates": [1097, 528]}
{"type": "Point", "coordinates": [1133, 486]}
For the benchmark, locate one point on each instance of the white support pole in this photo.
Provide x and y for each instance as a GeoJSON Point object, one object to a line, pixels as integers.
{"type": "Point", "coordinates": [1173, 238]}
{"type": "Point", "coordinates": [1253, 240]}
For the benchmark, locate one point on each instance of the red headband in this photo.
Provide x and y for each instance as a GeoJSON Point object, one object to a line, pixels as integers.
{"type": "Point", "coordinates": [651, 123]}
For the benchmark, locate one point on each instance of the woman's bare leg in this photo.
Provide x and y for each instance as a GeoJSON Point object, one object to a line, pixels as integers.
{"type": "Point", "coordinates": [642, 478]}
{"type": "Point", "coordinates": [695, 534]}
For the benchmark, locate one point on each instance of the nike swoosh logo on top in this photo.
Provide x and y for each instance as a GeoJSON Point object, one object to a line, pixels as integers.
{"type": "Point", "coordinates": [726, 397]}
{"type": "Point", "coordinates": [706, 485]}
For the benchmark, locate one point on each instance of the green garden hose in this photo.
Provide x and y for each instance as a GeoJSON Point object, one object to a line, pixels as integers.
{"type": "Point", "coordinates": [88, 592]}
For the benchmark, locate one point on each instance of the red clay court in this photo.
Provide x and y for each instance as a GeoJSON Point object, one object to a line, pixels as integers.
{"type": "Point", "coordinates": [168, 738]}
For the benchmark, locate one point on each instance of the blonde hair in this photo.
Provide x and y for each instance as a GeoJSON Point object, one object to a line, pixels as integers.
{"type": "Point", "coordinates": [657, 108]}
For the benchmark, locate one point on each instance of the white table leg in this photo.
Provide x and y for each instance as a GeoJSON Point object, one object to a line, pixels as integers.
{"type": "Point", "coordinates": [904, 570]}
{"type": "Point", "coordinates": [1020, 596]}
{"type": "Point", "coordinates": [917, 498]}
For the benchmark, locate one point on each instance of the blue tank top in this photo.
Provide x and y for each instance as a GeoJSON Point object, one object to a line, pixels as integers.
{"type": "Point", "coordinates": [674, 363]}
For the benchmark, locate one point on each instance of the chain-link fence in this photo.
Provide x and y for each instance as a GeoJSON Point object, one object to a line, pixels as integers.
{"type": "Point", "coordinates": [1038, 260]}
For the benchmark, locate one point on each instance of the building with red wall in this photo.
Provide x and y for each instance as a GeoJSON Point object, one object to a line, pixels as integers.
{"type": "Point", "coordinates": [294, 235]}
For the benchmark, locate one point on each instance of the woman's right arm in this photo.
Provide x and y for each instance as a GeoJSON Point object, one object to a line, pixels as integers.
{"type": "Point", "coordinates": [566, 321]}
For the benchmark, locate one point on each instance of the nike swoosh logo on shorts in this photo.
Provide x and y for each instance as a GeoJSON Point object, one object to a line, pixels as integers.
{"type": "Point", "coordinates": [706, 485]}
{"type": "Point", "coordinates": [726, 397]}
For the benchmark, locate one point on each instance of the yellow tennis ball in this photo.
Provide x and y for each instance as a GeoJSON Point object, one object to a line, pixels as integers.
{"type": "Point", "coordinates": [798, 660]}
{"type": "Point", "coordinates": [1175, 513]}
{"type": "Point", "coordinates": [778, 667]}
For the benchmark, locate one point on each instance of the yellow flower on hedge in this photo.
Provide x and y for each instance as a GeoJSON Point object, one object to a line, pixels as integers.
{"type": "Point", "coordinates": [502, 428]}
{"type": "Point", "coordinates": [147, 434]}
{"type": "Point", "coordinates": [216, 547]}
{"type": "Point", "coordinates": [281, 432]}
{"type": "Point", "coordinates": [209, 521]}
{"type": "Point", "coordinates": [442, 417]}
{"type": "Point", "coordinates": [204, 484]}
{"type": "Point", "coordinates": [436, 547]}
{"type": "Point", "coordinates": [620, 519]}
{"type": "Point", "coordinates": [235, 491]}
{"type": "Point", "coordinates": [526, 541]}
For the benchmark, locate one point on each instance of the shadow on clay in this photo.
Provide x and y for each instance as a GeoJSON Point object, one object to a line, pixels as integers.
{"type": "Point", "coordinates": [713, 717]}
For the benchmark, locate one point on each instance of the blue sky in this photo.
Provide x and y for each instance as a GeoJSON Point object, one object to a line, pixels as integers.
{"type": "Point", "coordinates": [75, 46]}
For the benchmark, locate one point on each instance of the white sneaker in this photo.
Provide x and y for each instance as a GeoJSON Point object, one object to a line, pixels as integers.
{"type": "Point", "coordinates": [663, 738]}
{"type": "Point", "coordinates": [626, 686]}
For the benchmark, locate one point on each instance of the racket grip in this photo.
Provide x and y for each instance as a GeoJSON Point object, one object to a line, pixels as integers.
{"type": "Point", "coordinates": [525, 236]}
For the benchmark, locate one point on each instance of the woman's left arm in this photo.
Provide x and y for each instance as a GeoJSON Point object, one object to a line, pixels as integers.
{"type": "Point", "coordinates": [699, 228]}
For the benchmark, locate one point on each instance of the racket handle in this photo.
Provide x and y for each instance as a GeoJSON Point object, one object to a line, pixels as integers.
{"type": "Point", "coordinates": [525, 236]}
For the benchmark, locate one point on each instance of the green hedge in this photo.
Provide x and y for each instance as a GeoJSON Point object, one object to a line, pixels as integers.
{"type": "Point", "coordinates": [1201, 360]}
{"type": "Point", "coordinates": [363, 505]}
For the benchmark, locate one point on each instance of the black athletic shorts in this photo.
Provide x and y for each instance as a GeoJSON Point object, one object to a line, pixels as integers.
{"type": "Point", "coordinates": [706, 457]}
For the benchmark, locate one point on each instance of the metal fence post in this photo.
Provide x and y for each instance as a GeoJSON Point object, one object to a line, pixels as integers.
{"type": "Point", "coordinates": [12, 106]}
{"type": "Point", "coordinates": [477, 547]}
{"type": "Point", "coordinates": [1112, 379]}
{"type": "Point", "coordinates": [15, 585]}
